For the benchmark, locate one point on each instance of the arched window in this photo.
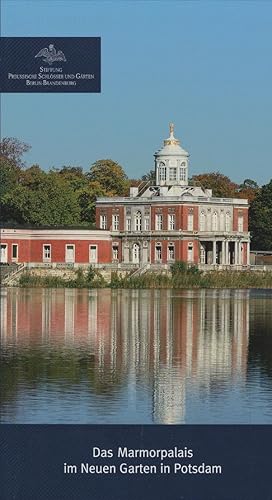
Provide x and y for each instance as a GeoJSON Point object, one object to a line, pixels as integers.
{"type": "Point", "coordinates": [138, 221]}
{"type": "Point", "coordinates": [162, 171]}
{"type": "Point", "coordinates": [222, 220]}
{"type": "Point", "coordinates": [135, 253]}
{"type": "Point", "coordinates": [215, 221]}
{"type": "Point", "coordinates": [182, 171]}
{"type": "Point", "coordinates": [227, 222]}
{"type": "Point", "coordinates": [202, 222]}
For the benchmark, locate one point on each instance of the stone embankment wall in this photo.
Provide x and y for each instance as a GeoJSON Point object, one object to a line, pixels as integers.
{"type": "Point", "coordinates": [64, 273]}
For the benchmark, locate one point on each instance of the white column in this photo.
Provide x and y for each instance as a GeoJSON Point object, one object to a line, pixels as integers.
{"type": "Point", "coordinates": [248, 253]}
{"type": "Point", "coordinates": [223, 253]}
{"type": "Point", "coordinates": [214, 252]}
{"type": "Point", "coordinates": [236, 251]}
{"type": "Point", "coordinates": [240, 255]}
{"type": "Point", "coordinates": [227, 253]}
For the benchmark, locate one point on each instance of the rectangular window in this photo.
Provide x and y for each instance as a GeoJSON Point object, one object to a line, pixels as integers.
{"type": "Point", "coordinates": [172, 173]}
{"type": "Point", "coordinates": [171, 252]}
{"type": "Point", "coordinates": [115, 222]}
{"type": "Point", "coordinates": [4, 254]}
{"type": "Point", "coordinates": [15, 251]}
{"type": "Point", "coordinates": [93, 254]}
{"type": "Point", "coordinates": [240, 224]}
{"type": "Point", "coordinates": [70, 253]}
{"type": "Point", "coordinates": [182, 174]}
{"type": "Point", "coordinates": [190, 252]}
{"type": "Point", "coordinates": [158, 222]}
{"type": "Point", "coordinates": [146, 224]}
{"type": "Point", "coordinates": [190, 222]}
{"type": "Point", "coordinates": [158, 253]}
{"type": "Point", "coordinates": [103, 222]}
{"type": "Point", "coordinates": [128, 224]}
{"type": "Point", "coordinates": [171, 222]}
{"type": "Point", "coordinates": [46, 253]}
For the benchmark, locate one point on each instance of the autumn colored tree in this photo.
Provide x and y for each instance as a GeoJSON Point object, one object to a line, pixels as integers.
{"type": "Point", "coordinates": [220, 184]}
{"type": "Point", "coordinates": [111, 177]}
{"type": "Point", "coordinates": [13, 149]}
{"type": "Point", "coordinates": [260, 219]}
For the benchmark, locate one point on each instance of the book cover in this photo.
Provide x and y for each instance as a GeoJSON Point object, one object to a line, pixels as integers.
{"type": "Point", "coordinates": [136, 250]}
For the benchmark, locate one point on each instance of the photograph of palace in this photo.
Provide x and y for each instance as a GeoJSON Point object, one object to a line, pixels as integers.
{"type": "Point", "coordinates": [136, 214]}
{"type": "Point", "coordinates": [157, 224]}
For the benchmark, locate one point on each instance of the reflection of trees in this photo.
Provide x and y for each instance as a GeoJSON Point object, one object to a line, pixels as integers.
{"type": "Point", "coordinates": [260, 346]}
{"type": "Point", "coordinates": [62, 368]}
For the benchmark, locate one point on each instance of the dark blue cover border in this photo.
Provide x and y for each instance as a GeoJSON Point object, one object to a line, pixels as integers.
{"type": "Point", "coordinates": [32, 457]}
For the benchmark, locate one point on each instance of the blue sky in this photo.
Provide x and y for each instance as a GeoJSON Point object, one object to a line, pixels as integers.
{"type": "Point", "coordinates": [206, 66]}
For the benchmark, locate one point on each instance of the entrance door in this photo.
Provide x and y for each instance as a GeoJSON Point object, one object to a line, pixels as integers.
{"type": "Point", "coordinates": [4, 254]}
{"type": "Point", "coordinates": [70, 253]}
{"type": "Point", "coordinates": [136, 253]}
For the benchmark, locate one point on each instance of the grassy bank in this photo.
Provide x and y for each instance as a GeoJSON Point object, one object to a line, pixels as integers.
{"type": "Point", "coordinates": [181, 276]}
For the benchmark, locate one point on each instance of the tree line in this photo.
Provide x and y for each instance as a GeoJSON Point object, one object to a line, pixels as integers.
{"type": "Point", "coordinates": [66, 196]}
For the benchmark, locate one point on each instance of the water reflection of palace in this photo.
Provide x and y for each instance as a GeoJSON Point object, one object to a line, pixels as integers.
{"type": "Point", "coordinates": [167, 341]}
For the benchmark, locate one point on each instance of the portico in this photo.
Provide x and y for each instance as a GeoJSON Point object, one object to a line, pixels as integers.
{"type": "Point", "coordinates": [225, 252]}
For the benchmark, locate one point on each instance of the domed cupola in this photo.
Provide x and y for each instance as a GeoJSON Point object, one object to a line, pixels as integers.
{"type": "Point", "coordinates": [171, 163]}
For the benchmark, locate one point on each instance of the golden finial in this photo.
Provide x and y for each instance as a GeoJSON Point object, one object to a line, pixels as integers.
{"type": "Point", "coordinates": [171, 141]}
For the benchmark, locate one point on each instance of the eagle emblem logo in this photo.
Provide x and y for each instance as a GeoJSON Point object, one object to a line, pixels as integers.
{"type": "Point", "coordinates": [50, 55]}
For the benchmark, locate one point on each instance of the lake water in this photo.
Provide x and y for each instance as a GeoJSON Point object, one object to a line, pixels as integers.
{"type": "Point", "coordinates": [136, 356]}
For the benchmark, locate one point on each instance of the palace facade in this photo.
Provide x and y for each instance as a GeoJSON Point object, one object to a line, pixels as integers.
{"type": "Point", "coordinates": [171, 220]}
{"type": "Point", "coordinates": [155, 225]}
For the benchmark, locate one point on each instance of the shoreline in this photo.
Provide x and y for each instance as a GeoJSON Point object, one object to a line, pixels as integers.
{"type": "Point", "coordinates": [180, 278]}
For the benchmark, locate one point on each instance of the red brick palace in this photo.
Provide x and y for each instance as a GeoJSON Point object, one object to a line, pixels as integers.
{"type": "Point", "coordinates": [156, 225]}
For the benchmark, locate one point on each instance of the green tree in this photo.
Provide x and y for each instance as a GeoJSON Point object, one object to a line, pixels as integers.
{"type": "Point", "coordinates": [74, 176]}
{"type": "Point", "coordinates": [249, 190]}
{"type": "Point", "coordinates": [42, 199]}
{"type": "Point", "coordinates": [87, 201]}
{"type": "Point", "coordinates": [9, 176]}
{"type": "Point", "coordinates": [111, 177]}
{"type": "Point", "coordinates": [260, 219]}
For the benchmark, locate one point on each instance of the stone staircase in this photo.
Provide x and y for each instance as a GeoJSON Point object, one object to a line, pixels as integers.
{"type": "Point", "coordinates": [141, 270]}
{"type": "Point", "coordinates": [8, 272]}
